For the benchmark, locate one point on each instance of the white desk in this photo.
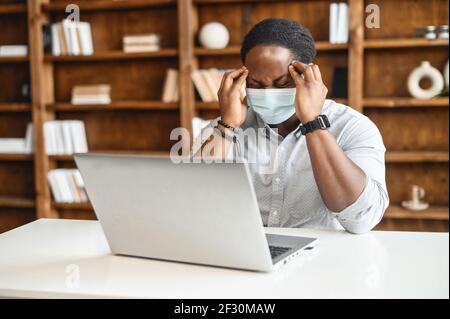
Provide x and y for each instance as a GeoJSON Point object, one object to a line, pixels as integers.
{"type": "Point", "coordinates": [34, 259]}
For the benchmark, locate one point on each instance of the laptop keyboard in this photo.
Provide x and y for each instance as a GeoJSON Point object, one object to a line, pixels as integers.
{"type": "Point", "coordinates": [276, 251]}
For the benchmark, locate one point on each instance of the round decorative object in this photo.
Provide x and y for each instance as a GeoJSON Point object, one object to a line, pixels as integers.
{"type": "Point", "coordinates": [425, 70]}
{"type": "Point", "coordinates": [214, 35]}
{"type": "Point", "coordinates": [446, 74]}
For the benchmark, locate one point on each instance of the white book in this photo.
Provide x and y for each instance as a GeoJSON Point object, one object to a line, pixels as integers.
{"type": "Point", "coordinates": [72, 186]}
{"type": "Point", "coordinates": [29, 143]}
{"type": "Point", "coordinates": [54, 186]}
{"type": "Point", "coordinates": [170, 86]}
{"type": "Point", "coordinates": [201, 86]}
{"type": "Point", "coordinates": [342, 33]}
{"type": "Point", "coordinates": [85, 33]}
{"type": "Point", "coordinates": [67, 35]}
{"type": "Point", "coordinates": [64, 186]}
{"type": "Point", "coordinates": [59, 137]}
{"type": "Point", "coordinates": [13, 50]}
{"type": "Point", "coordinates": [67, 137]}
{"type": "Point", "coordinates": [211, 84]}
{"type": "Point", "coordinates": [334, 11]}
{"type": "Point", "coordinates": [56, 46]}
{"type": "Point", "coordinates": [78, 132]}
{"type": "Point", "coordinates": [141, 39]}
{"type": "Point", "coordinates": [12, 145]}
{"type": "Point", "coordinates": [75, 38]}
{"type": "Point", "coordinates": [49, 138]}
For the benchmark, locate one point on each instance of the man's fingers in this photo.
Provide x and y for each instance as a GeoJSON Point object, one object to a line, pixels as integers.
{"type": "Point", "coordinates": [304, 69]}
{"type": "Point", "coordinates": [228, 77]}
{"type": "Point", "coordinates": [317, 73]}
{"type": "Point", "coordinates": [240, 81]}
{"type": "Point", "coordinates": [294, 74]}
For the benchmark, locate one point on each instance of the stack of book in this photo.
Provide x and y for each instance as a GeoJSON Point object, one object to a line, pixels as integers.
{"type": "Point", "coordinates": [67, 186]}
{"type": "Point", "coordinates": [91, 94]}
{"type": "Point", "coordinates": [13, 50]}
{"type": "Point", "coordinates": [170, 87]}
{"type": "Point", "coordinates": [65, 137]}
{"type": "Point", "coordinates": [68, 38]}
{"type": "Point", "coordinates": [339, 25]}
{"type": "Point", "coordinates": [207, 83]}
{"type": "Point", "coordinates": [141, 43]}
{"type": "Point", "coordinates": [18, 145]}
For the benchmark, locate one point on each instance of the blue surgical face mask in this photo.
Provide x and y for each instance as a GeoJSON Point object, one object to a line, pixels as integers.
{"type": "Point", "coordinates": [273, 105]}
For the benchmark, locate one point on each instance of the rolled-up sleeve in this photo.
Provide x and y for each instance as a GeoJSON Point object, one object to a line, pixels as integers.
{"type": "Point", "coordinates": [363, 144]}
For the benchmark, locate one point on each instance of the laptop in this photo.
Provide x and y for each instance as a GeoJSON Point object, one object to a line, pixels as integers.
{"type": "Point", "coordinates": [202, 213]}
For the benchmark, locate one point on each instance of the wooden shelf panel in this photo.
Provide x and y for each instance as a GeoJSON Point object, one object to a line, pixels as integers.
{"type": "Point", "coordinates": [432, 213]}
{"type": "Point", "coordinates": [115, 152]}
{"type": "Point", "coordinates": [112, 56]}
{"type": "Point", "coordinates": [16, 157]}
{"type": "Point", "coordinates": [404, 102]}
{"type": "Point", "coordinates": [15, 107]}
{"type": "Point", "coordinates": [13, 8]}
{"type": "Point", "coordinates": [89, 5]}
{"type": "Point", "coordinates": [403, 43]}
{"type": "Point", "coordinates": [16, 202]}
{"type": "Point", "coordinates": [13, 59]}
{"type": "Point", "coordinates": [118, 105]}
{"type": "Point", "coordinates": [236, 49]}
{"type": "Point", "coordinates": [416, 156]}
{"type": "Point", "coordinates": [74, 206]}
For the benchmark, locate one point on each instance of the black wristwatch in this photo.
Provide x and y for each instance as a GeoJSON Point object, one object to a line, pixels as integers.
{"type": "Point", "coordinates": [321, 122]}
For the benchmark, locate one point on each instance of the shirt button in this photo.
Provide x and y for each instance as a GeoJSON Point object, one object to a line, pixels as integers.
{"type": "Point", "coordinates": [277, 180]}
{"type": "Point", "coordinates": [274, 213]}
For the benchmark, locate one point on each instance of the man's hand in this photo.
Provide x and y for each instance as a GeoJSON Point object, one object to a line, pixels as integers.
{"type": "Point", "coordinates": [232, 110]}
{"type": "Point", "coordinates": [311, 91]}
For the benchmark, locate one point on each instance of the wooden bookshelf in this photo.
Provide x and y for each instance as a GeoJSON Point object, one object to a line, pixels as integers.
{"type": "Point", "coordinates": [112, 56]}
{"type": "Point", "coordinates": [114, 106]}
{"type": "Point", "coordinates": [378, 61]}
{"type": "Point", "coordinates": [404, 102]}
{"type": "Point", "coordinates": [105, 5]}
{"type": "Point", "coordinates": [403, 43]}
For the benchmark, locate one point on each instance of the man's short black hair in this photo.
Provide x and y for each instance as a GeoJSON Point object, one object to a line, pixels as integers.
{"type": "Point", "coordinates": [282, 32]}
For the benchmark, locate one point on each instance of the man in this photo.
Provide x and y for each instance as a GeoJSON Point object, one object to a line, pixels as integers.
{"type": "Point", "coordinates": [328, 165]}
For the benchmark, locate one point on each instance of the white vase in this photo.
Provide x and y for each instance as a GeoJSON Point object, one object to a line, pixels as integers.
{"type": "Point", "coordinates": [425, 70]}
{"type": "Point", "coordinates": [214, 35]}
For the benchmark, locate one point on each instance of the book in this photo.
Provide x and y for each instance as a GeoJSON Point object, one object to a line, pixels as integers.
{"type": "Point", "coordinates": [65, 137]}
{"type": "Point", "coordinates": [151, 38]}
{"type": "Point", "coordinates": [13, 50]}
{"type": "Point", "coordinates": [18, 145]}
{"type": "Point", "coordinates": [201, 86]}
{"type": "Point", "coordinates": [170, 86]}
{"type": "Point", "coordinates": [141, 48]}
{"type": "Point", "coordinates": [85, 37]}
{"type": "Point", "coordinates": [334, 9]}
{"type": "Point", "coordinates": [67, 186]}
{"type": "Point", "coordinates": [342, 33]}
{"type": "Point", "coordinates": [91, 94]}
{"type": "Point", "coordinates": [70, 38]}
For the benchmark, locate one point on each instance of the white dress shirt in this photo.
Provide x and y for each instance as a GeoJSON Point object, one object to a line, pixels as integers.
{"type": "Point", "coordinates": [283, 179]}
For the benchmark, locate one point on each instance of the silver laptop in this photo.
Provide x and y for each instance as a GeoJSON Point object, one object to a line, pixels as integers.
{"type": "Point", "coordinates": [196, 213]}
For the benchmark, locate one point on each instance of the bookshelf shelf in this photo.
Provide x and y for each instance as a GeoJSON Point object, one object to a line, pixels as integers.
{"type": "Point", "coordinates": [16, 157]}
{"type": "Point", "coordinates": [404, 102]}
{"type": "Point", "coordinates": [112, 56]}
{"type": "Point", "coordinates": [118, 105]}
{"type": "Point", "coordinates": [13, 8]}
{"type": "Point", "coordinates": [403, 43]}
{"type": "Point", "coordinates": [417, 156]}
{"type": "Point", "coordinates": [16, 202]}
{"type": "Point", "coordinates": [72, 206]}
{"type": "Point", "coordinates": [15, 107]}
{"type": "Point", "coordinates": [86, 5]}
{"type": "Point", "coordinates": [116, 152]}
{"type": "Point", "coordinates": [432, 213]}
{"type": "Point", "coordinates": [13, 59]}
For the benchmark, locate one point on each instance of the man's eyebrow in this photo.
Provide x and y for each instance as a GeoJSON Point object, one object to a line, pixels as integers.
{"type": "Point", "coordinates": [276, 80]}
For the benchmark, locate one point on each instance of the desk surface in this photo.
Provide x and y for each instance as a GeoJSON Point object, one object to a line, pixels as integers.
{"type": "Point", "coordinates": [61, 258]}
